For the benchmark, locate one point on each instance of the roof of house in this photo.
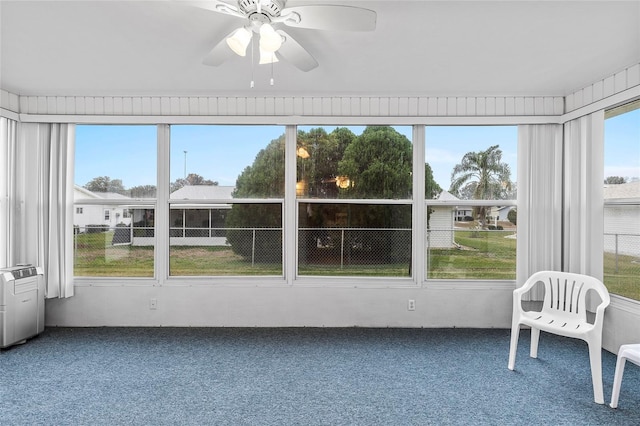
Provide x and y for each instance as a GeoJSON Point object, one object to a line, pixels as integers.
{"type": "Point", "coordinates": [447, 196]}
{"type": "Point", "coordinates": [623, 190]}
{"type": "Point", "coordinates": [103, 195]}
{"type": "Point", "coordinates": [203, 192]}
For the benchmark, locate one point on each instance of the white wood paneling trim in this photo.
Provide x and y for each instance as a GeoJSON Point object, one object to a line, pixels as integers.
{"type": "Point", "coordinates": [311, 120]}
{"type": "Point", "coordinates": [9, 114]}
{"type": "Point", "coordinates": [9, 101]}
{"type": "Point", "coordinates": [281, 106]}
{"type": "Point", "coordinates": [605, 88]}
{"type": "Point", "coordinates": [617, 99]}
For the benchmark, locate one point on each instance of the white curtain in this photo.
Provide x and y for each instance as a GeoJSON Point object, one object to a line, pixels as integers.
{"type": "Point", "coordinates": [8, 143]}
{"type": "Point", "coordinates": [583, 195]}
{"type": "Point", "coordinates": [44, 198]}
{"type": "Point", "coordinates": [539, 241]}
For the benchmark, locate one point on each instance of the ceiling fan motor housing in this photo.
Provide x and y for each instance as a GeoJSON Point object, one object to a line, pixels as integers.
{"type": "Point", "coordinates": [269, 9]}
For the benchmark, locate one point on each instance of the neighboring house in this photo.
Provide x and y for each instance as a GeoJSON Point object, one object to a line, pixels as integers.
{"type": "Point", "coordinates": [190, 224]}
{"type": "Point", "coordinates": [440, 233]}
{"type": "Point", "coordinates": [194, 225]}
{"type": "Point", "coordinates": [463, 213]}
{"type": "Point", "coordinates": [499, 214]}
{"type": "Point", "coordinates": [622, 222]}
{"type": "Point", "coordinates": [92, 214]}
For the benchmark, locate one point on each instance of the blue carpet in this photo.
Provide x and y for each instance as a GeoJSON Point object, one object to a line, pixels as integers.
{"type": "Point", "coordinates": [304, 376]}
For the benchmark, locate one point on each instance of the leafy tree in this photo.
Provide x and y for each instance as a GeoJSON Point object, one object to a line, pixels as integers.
{"type": "Point", "coordinates": [105, 184]}
{"type": "Point", "coordinates": [481, 176]}
{"type": "Point", "coordinates": [512, 216]}
{"type": "Point", "coordinates": [614, 180]}
{"type": "Point", "coordinates": [378, 164]}
{"type": "Point", "coordinates": [191, 179]}
{"type": "Point", "coordinates": [142, 191]}
{"type": "Point", "coordinates": [263, 179]}
{"type": "Point", "coordinates": [318, 156]}
{"type": "Point", "coordinates": [431, 187]}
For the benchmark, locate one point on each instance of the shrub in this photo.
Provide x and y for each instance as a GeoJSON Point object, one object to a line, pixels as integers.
{"type": "Point", "coordinates": [96, 229]}
{"type": "Point", "coordinates": [512, 216]}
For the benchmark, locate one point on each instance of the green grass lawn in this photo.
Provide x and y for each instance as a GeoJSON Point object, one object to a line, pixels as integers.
{"type": "Point", "coordinates": [212, 261]}
{"type": "Point", "coordinates": [384, 270]}
{"type": "Point", "coordinates": [95, 256]}
{"type": "Point", "coordinates": [483, 255]}
{"type": "Point", "coordinates": [623, 279]}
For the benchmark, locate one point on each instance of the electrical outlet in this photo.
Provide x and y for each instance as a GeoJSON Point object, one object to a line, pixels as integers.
{"type": "Point", "coordinates": [411, 305]}
{"type": "Point", "coordinates": [153, 304]}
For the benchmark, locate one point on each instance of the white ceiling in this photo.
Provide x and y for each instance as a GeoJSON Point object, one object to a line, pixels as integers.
{"type": "Point", "coordinates": [419, 48]}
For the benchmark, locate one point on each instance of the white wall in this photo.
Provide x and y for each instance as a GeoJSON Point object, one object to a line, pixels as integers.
{"type": "Point", "coordinates": [621, 323]}
{"type": "Point", "coordinates": [255, 306]}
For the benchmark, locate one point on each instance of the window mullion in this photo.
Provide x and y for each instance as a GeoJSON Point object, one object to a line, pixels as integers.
{"type": "Point", "coordinates": [290, 223]}
{"type": "Point", "coordinates": [419, 208]}
{"type": "Point", "coordinates": [162, 207]}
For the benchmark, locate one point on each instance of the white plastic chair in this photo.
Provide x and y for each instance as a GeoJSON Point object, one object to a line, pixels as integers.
{"type": "Point", "coordinates": [563, 313]}
{"type": "Point", "coordinates": [626, 353]}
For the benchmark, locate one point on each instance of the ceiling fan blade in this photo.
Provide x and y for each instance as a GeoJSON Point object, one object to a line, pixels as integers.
{"type": "Point", "coordinates": [329, 17]}
{"type": "Point", "coordinates": [217, 6]}
{"type": "Point", "coordinates": [220, 53]}
{"type": "Point", "coordinates": [291, 51]}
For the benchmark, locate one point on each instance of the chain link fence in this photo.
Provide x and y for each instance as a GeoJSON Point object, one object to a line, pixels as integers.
{"type": "Point", "coordinates": [622, 264]}
{"type": "Point", "coordinates": [354, 251]}
{"type": "Point", "coordinates": [125, 251]}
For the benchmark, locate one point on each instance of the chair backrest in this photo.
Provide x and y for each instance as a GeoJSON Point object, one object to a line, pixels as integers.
{"type": "Point", "coordinates": [566, 293]}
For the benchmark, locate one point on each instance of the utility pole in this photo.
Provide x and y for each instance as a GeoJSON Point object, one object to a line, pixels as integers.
{"type": "Point", "coordinates": [185, 164]}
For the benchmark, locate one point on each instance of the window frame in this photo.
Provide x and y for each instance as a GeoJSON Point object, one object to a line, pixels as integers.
{"type": "Point", "coordinates": [290, 202]}
{"type": "Point", "coordinates": [617, 110]}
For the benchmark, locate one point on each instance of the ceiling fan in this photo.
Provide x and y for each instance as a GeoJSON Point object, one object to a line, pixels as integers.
{"type": "Point", "coordinates": [264, 20]}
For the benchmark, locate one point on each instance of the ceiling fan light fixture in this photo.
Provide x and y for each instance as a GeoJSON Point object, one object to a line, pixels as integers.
{"type": "Point", "coordinates": [270, 40]}
{"type": "Point", "coordinates": [267, 57]}
{"type": "Point", "coordinates": [239, 41]}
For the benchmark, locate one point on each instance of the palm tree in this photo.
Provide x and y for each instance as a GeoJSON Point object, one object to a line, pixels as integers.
{"type": "Point", "coordinates": [481, 176]}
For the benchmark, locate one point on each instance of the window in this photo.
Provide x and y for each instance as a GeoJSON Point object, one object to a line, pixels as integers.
{"type": "Point", "coordinates": [621, 256]}
{"type": "Point", "coordinates": [352, 214]}
{"type": "Point", "coordinates": [114, 195]}
{"type": "Point", "coordinates": [226, 204]}
{"type": "Point", "coordinates": [354, 199]}
{"type": "Point", "coordinates": [470, 193]}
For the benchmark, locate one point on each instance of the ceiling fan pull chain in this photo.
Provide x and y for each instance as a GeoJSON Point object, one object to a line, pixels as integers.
{"type": "Point", "coordinates": [252, 64]}
{"type": "Point", "coordinates": [271, 82]}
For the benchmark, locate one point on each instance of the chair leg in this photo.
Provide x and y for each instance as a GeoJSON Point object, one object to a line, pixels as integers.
{"type": "Point", "coordinates": [595, 358]}
{"type": "Point", "coordinates": [515, 332]}
{"type": "Point", "coordinates": [535, 337]}
{"type": "Point", "coordinates": [617, 381]}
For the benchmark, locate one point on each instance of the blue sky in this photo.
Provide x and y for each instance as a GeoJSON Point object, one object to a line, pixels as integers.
{"type": "Point", "coordinates": [220, 153]}
{"type": "Point", "coordinates": [622, 145]}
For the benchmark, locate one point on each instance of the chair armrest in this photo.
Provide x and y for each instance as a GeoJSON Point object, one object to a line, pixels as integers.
{"type": "Point", "coordinates": [525, 288]}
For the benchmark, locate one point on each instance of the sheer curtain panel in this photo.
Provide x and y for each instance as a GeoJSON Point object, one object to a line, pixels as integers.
{"type": "Point", "coordinates": [584, 195]}
{"type": "Point", "coordinates": [8, 142]}
{"type": "Point", "coordinates": [44, 188]}
{"type": "Point", "coordinates": [539, 241]}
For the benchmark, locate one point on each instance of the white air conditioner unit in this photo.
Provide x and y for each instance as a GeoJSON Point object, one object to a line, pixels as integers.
{"type": "Point", "coordinates": [21, 304]}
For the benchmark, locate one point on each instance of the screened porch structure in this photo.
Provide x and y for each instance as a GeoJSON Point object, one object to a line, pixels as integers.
{"type": "Point", "coordinates": [68, 67]}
